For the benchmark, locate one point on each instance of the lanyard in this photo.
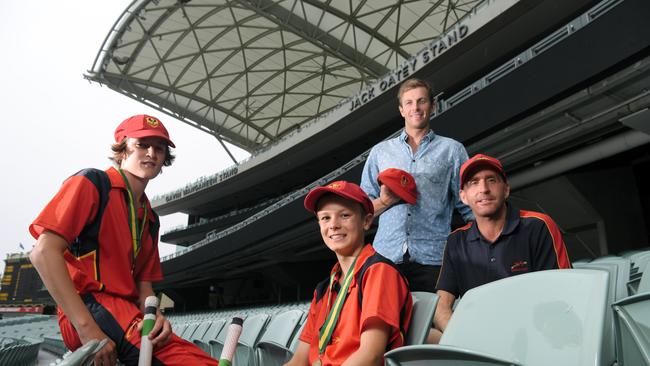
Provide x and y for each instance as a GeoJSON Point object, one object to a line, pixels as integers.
{"type": "Point", "coordinates": [332, 318]}
{"type": "Point", "coordinates": [136, 228]}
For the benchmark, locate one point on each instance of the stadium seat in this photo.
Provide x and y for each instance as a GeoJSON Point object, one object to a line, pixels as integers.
{"type": "Point", "coordinates": [295, 340]}
{"type": "Point", "coordinates": [252, 328]}
{"type": "Point", "coordinates": [608, 346]}
{"type": "Point", "coordinates": [216, 345]}
{"type": "Point", "coordinates": [189, 331]}
{"type": "Point", "coordinates": [273, 347]}
{"type": "Point", "coordinates": [424, 306]}
{"type": "Point", "coordinates": [83, 356]}
{"type": "Point", "coordinates": [427, 355]}
{"type": "Point", "coordinates": [211, 334]}
{"type": "Point", "coordinates": [554, 317]}
{"type": "Point", "coordinates": [200, 331]}
{"type": "Point", "coordinates": [632, 322]}
{"type": "Point", "coordinates": [641, 264]}
{"type": "Point", "coordinates": [644, 282]}
{"type": "Point", "coordinates": [623, 265]}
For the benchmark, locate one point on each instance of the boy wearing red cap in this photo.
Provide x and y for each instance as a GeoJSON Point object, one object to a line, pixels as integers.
{"type": "Point", "coordinates": [364, 308]}
{"type": "Point", "coordinates": [97, 251]}
{"type": "Point", "coordinates": [502, 241]}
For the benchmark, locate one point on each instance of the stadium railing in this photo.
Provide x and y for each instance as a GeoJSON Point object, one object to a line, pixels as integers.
{"type": "Point", "coordinates": [632, 320]}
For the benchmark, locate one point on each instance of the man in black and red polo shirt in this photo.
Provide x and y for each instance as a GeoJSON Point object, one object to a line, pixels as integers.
{"type": "Point", "coordinates": [502, 241]}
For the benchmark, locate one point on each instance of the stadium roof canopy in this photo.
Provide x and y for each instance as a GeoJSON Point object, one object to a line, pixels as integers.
{"type": "Point", "coordinates": [251, 71]}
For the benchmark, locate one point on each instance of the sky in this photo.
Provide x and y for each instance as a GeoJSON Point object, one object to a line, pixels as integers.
{"type": "Point", "coordinates": [54, 122]}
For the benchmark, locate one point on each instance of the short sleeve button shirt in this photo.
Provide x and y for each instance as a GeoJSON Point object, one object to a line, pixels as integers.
{"type": "Point", "coordinates": [423, 227]}
{"type": "Point", "coordinates": [108, 267]}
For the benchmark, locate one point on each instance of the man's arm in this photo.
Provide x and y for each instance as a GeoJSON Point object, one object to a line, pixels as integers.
{"type": "Point", "coordinates": [301, 357]}
{"type": "Point", "coordinates": [372, 344]}
{"type": "Point", "coordinates": [47, 258]}
{"type": "Point", "coordinates": [162, 330]}
{"type": "Point", "coordinates": [443, 309]}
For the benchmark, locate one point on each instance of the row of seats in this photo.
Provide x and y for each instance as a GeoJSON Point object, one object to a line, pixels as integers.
{"type": "Point", "coordinates": [270, 339]}
{"type": "Point", "coordinates": [591, 315]}
{"type": "Point", "coordinates": [19, 352]}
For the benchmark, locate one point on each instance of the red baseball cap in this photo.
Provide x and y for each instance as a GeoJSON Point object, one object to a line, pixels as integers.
{"type": "Point", "coordinates": [142, 125]}
{"type": "Point", "coordinates": [341, 188]}
{"type": "Point", "coordinates": [401, 183]}
{"type": "Point", "coordinates": [479, 160]}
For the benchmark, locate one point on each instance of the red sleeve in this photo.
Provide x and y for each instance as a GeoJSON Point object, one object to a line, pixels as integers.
{"type": "Point", "coordinates": [71, 209]}
{"type": "Point", "coordinates": [309, 333]}
{"type": "Point", "coordinates": [378, 281]}
{"type": "Point", "coordinates": [551, 251]}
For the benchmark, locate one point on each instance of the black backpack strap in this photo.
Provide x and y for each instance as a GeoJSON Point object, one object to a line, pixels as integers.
{"type": "Point", "coordinates": [154, 228]}
{"type": "Point", "coordinates": [372, 260]}
{"type": "Point", "coordinates": [88, 240]}
{"type": "Point", "coordinates": [321, 288]}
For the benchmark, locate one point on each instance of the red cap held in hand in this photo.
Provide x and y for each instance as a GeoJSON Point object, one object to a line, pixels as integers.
{"type": "Point", "coordinates": [142, 125]}
{"type": "Point", "coordinates": [341, 188]}
{"type": "Point", "coordinates": [401, 183]}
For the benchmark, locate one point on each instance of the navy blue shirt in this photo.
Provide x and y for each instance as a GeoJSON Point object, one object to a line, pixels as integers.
{"type": "Point", "coordinates": [530, 241]}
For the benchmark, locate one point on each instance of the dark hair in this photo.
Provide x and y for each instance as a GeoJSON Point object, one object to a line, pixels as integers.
{"type": "Point", "coordinates": [412, 84]}
{"type": "Point", "coordinates": [119, 148]}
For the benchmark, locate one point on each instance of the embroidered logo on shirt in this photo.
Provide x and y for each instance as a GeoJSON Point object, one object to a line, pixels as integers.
{"type": "Point", "coordinates": [336, 340]}
{"type": "Point", "coordinates": [519, 266]}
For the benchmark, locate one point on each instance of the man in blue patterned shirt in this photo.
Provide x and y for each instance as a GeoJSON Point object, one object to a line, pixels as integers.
{"type": "Point", "coordinates": [414, 236]}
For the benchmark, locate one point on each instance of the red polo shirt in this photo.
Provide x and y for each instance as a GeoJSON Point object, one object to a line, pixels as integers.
{"type": "Point", "coordinates": [385, 296]}
{"type": "Point", "coordinates": [105, 266]}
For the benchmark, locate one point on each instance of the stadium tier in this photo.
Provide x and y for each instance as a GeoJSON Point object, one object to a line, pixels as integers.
{"type": "Point", "coordinates": [557, 90]}
{"type": "Point", "coordinates": [549, 89]}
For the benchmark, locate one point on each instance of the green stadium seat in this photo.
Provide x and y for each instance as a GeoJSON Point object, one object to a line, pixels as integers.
{"type": "Point", "coordinates": [632, 320]}
{"type": "Point", "coordinates": [216, 345]}
{"type": "Point", "coordinates": [273, 347]}
{"type": "Point", "coordinates": [295, 340]}
{"type": "Point", "coordinates": [189, 331]}
{"type": "Point", "coordinates": [554, 317]}
{"type": "Point", "coordinates": [251, 331]}
{"type": "Point", "coordinates": [644, 283]}
{"type": "Point", "coordinates": [424, 307]}
{"type": "Point", "coordinates": [623, 265]}
{"type": "Point", "coordinates": [427, 355]}
{"type": "Point", "coordinates": [211, 334]}
{"type": "Point", "coordinates": [200, 331]}
{"type": "Point", "coordinates": [609, 345]}
{"type": "Point", "coordinates": [83, 356]}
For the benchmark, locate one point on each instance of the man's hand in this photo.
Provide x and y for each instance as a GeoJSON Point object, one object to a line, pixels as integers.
{"type": "Point", "coordinates": [161, 332]}
{"type": "Point", "coordinates": [107, 355]}
{"type": "Point", "coordinates": [386, 199]}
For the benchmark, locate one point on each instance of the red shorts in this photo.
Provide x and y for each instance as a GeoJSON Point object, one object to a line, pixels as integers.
{"type": "Point", "coordinates": [118, 318]}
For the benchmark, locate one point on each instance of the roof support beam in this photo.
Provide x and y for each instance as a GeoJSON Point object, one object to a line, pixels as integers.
{"type": "Point", "coordinates": [295, 24]}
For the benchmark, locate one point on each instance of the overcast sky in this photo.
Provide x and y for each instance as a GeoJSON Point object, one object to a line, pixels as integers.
{"type": "Point", "coordinates": [55, 123]}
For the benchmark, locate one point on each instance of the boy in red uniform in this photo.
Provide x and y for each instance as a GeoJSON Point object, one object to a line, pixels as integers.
{"type": "Point", "coordinates": [97, 251]}
{"type": "Point", "coordinates": [364, 308]}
